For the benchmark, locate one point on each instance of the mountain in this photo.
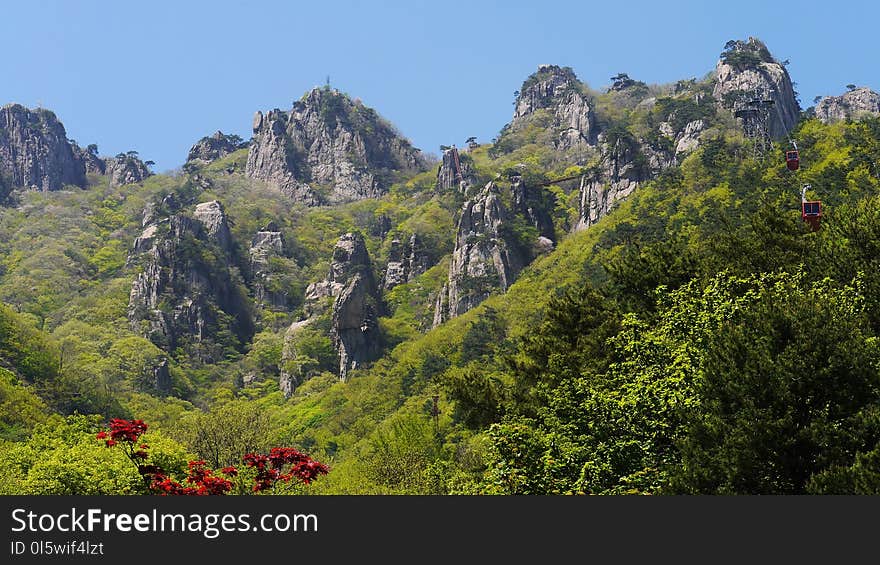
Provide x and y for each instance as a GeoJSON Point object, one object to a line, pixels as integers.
{"type": "Point", "coordinates": [616, 295]}
{"type": "Point", "coordinates": [214, 147]}
{"type": "Point", "coordinates": [747, 71]}
{"type": "Point", "coordinates": [35, 154]}
{"type": "Point", "coordinates": [853, 104]}
{"type": "Point", "coordinates": [328, 149]}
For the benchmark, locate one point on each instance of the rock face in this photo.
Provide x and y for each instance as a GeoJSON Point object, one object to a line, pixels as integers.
{"type": "Point", "coordinates": [849, 105]}
{"type": "Point", "coordinates": [35, 153]}
{"type": "Point", "coordinates": [455, 172]}
{"type": "Point", "coordinates": [554, 99]}
{"type": "Point", "coordinates": [213, 217]}
{"type": "Point", "coordinates": [162, 377]}
{"type": "Point", "coordinates": [395, 271]}
{"type": "Point", "coordinates": [483, 260]}
{"type": "Point", "coordinates": [688, 139]}
{"type": "Point", "coordinates": [289, 380]}
{"type": "Point", "coordinates": [558, 90]}
{"type": "Point", "coordinates": [354, 324]}
{"type": "Point", "coordinates": [405, 262]}
{"type": "Point", "coordinates": [186, 295]}
{"type": "Point", "coordinates": [126, 168]}
{"type": "Point", "coordinates": [355, 330]}
{"type": "Point", "coordinates": [746, 68]}
{"type": "Point", "coordinates": [328, 149]}
{"type": "Point", "coordinates": [267, 243]}
{"type": "Point", "coordinates": [350, 284]}
{"type": "Point", "coordinates": [94, 164]}
{"type": "Point", "coordinates": [531, 204]}
{"type": "Point", "coordinates": [213, 147]}
{"type": "Point", "coordinates": [625, 164]}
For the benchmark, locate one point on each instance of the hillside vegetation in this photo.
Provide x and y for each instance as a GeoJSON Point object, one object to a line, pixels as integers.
{"type": "Point", "coordinates": [697, 338]}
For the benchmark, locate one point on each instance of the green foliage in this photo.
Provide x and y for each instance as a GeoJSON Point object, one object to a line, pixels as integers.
{"type": "Point", "coordinates": [62, 457]}
{"type": "Point", "coordinates": [789, 389]}
{"type": "Point", "coordinates": [225, 434]}
{"type": "Point", "coordinates": [25, 349]}
{"type": "Point", "coordinates": [20, 408]}
{"type": "Point", "coordinates": [746, 54]}
{"type": "Point", "coordinates": [311, 352]}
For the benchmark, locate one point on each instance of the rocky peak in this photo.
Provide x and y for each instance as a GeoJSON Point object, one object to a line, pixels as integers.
{"type": "Point", "coordinates": [558, 90]}
{"type": "Point", "coordinates": [328, 149]}
{"type": "Point", "coordinates": [747, 69]}
{"type": "Point", "coordinates": [544, 88]}
{"type": "Point", "coordinates": [354, 326]}
{"type": "Point", "coordinates": [354, 322]}
{"type": "Point", "coordinates": [349, 256]}
{"type": "Point", "coordinates": [183, 297]}
{"type": "Point", "coordinates": [126, 168]}
{"type": "Point", "coordinates": [213, 147]}
{"type": "Point", "coordinates": [35, 153]}
{"type": "Point", "coordinates": [93, 163]}
{"type": "Point", "coordinates": [483, 259]}
{"type": "Point", "coordinates": [849, 105]}
{"type": "Point", "coordinates": [455, 171]}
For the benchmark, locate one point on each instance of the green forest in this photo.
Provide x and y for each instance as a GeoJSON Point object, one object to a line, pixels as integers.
{"type": "Point", "coordinates": [699, 337]}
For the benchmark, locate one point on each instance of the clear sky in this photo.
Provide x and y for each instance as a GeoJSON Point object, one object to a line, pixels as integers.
{"type": "Point", "coordinates": [156, 76]}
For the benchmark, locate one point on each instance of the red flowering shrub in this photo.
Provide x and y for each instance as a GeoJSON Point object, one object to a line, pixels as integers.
{"type": "Point", "coordinates": [270, 468]}
{"type": "Point", "coordinates": [201, 480]}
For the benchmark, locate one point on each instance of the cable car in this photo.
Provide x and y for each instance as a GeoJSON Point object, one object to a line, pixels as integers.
{"type": "Point", "coordinates": [811, 212]}
{"type": "Point", "coordinates": [792, 160]}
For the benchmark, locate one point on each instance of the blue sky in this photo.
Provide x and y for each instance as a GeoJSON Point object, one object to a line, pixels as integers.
{"type": "Point", "coordinates": [156, 76]}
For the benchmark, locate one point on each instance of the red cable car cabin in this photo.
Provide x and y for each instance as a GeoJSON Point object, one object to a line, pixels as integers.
{"type": "Point", "coordinates": [811, 212]}
{"type": "Point", "coordinates": [792, 160]}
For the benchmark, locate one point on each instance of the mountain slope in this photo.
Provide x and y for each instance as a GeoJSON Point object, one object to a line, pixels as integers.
{"type": "Point", "coordinates": [570, 311]}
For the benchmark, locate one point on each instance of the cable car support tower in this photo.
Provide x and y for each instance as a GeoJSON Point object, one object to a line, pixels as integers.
{"type": "Point", "coordinates": [754, 113]}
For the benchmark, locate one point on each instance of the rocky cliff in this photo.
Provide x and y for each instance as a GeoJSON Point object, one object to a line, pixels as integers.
{"type": "Point", "coordinates": [557, 90]}
{"type": "Point", "coordinates": [455, 171]}
{"type": "Point", "coordinates": [533, 204]}
{"type": "Point", "coordinates": [126, 168]}
{"type": "Point", "coordinates": [854, 104]}
{"type": "Point", "coordinates": [625, 163]}
{"type": "Point", "coordinates": [405, 262]}
{"type": "Point", "coordinates": [35, 153]}
{"type": "Point", "coordinates": [747, 69]}
{"type": "Point", "coordinates": [94, 164]}
{"type": "Point", "coordinates": [213, 147]}
{"type": "Point", "coordinates": [328, 149]}
{"type": "Point", "coordinates": [266, 244]}
{"type": "Point", "coordinates": [356, 305]}
{"type": "Point", "coordinates": [485, 258]}
{"type": "Point", "coordinates": [186, 295]}
{"type": "Point", "coordinates": [553, 100]}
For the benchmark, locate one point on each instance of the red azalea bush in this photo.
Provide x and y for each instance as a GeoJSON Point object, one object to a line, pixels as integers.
{"type": "Point", "coordinates": [281, 464]}
{"type": "Point", "coordinates": [270, 468]}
